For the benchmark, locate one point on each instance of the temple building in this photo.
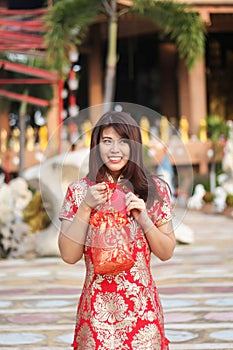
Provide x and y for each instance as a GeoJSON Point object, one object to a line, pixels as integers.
{"type": "Point", "coordinates": [149, 70]}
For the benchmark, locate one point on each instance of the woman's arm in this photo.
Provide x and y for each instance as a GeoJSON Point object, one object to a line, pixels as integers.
{"type": "Point", "coordinates": [161, 239]}
{"type": "Point", "coordinates": [73, 233]}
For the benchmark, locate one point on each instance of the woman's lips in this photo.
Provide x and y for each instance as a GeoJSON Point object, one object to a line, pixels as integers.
{"type": "Point", "coordinates": [115, 159]}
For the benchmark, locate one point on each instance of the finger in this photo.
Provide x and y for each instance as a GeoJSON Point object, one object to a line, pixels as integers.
{"type": "Point", "coordinates": [133, 212]}
{"type": "Point", "coordinates": [134, 203]}
{"type": "Point", "coordinates": [102, 193]}
{"type": "Point", "coordinates": [96, 188]}
{"type": "Point", "coordinates": [129, 195]}
{"type": "Point", "coordinates": [93, 191]}
{"type": "Point", "coordinates": [138, 204]}
{"type": "Point", "coordinates": [129, 198]}
{"type": "Point", "coordinates": [101, 186]}
{"type": "Point", "coordinates": [102, 198]}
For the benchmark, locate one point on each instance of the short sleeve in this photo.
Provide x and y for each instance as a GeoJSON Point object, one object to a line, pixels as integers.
{"type": "Point", "coordinates": [74, 196]}
{"type": "Point", "coordinates": [161, 212]}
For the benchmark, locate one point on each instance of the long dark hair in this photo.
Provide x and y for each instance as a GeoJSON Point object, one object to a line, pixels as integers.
{"type": "Point", "coordinates": [135, 175]}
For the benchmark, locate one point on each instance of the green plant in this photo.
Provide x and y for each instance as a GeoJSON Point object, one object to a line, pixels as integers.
{"type": "Point", "coordinates": [229, 200]}
{"type": "Point", "coordinates": [68, 24]}
{"type": "Point", "coordinates": [201, 180]}
{"type": "Point", "coordinates": [216, 127]}
{"type": "Point", "coordinates": [208, 197]}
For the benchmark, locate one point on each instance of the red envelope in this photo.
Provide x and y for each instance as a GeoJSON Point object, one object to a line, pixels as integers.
{"type": "Point", "coordinates": [110, 241]}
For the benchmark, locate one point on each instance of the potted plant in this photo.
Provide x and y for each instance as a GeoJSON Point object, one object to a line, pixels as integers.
{"type": "Point", "coordinates": [228, 211]}
{"type": "Point", "coordinates": [208, 203]}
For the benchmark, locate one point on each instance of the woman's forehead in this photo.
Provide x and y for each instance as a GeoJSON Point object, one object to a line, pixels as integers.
{"type": "Point", "coordinates": [110, 131]}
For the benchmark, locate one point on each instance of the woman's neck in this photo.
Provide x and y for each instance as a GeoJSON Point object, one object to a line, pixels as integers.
{"type": "Point", "coordinates": [114, 177]}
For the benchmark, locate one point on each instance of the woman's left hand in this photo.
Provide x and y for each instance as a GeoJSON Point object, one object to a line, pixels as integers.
{"type": "Point", "coordinates": [136, 207]}
{"type": "Point", "coordinates": [162, 243]}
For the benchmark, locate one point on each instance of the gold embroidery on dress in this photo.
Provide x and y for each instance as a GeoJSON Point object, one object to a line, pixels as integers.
{"type": "Point", "coordinates": [139, 271]}
{"type": "Point", "coordinates": [111, 307]}
{"type": "Point", "coordinates": [85, 338]}
{"type": "Point", "coordinates": [147, 338]}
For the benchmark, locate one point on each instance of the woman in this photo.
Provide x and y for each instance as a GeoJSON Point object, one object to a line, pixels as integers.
{"type": "Point", "coordinates": [118, 311]}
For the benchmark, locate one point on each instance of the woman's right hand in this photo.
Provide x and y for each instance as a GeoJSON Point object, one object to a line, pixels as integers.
{"type": "Point", "coordinates": [96, 195]}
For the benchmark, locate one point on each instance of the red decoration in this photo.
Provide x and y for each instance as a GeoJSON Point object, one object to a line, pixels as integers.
{"type": "Point", "coordinates": [110, 241]}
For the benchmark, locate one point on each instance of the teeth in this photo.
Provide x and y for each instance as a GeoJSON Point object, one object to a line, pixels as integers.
{"type": "Point", "coordinates": [115, 160]}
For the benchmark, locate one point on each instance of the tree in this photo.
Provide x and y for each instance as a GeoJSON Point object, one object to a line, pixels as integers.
{"type": "Point", "coordinates": [68, 21]}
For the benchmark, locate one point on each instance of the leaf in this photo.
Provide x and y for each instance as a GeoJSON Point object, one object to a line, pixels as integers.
{"type": "Point", "coordinates": [67, 23]}
{"type": "Point", "coordinates": [182, 24]}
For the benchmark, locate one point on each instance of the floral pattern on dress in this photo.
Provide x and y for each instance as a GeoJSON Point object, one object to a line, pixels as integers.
{"type": "Point", "coordinates": [139, 272]}
{"type": "Point", "coordinates": [74, 196]}
{"type": "Point", "coordinates": [110, 307]}
{"type": "Point", "coordinates": [147, 337]}
{"type": "Point", "coordinates": [161, 212]}
{"type": "Point", "coordinates": [85, 338]}
{"type": "Point", "coordinates": [118, 312]}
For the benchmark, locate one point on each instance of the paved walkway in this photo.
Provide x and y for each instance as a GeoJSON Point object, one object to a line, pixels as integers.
{"type": "Point", "coordinates": [38, 297]}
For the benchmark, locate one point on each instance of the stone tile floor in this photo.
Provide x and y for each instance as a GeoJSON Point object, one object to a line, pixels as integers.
{"type": "Point", "coordinates": [38, 297]}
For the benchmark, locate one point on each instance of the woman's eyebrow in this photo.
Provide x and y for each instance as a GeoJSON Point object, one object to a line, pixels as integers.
{"type": "Point", "coordinates": [107, 137]}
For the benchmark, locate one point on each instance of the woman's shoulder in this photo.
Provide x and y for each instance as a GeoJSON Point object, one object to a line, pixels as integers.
{"type": "Point", "coordinates": [161, 185]}
{"type": "Point", "coordinates": [81, 183]}
{"type": "Point", "coordinates": [161, 208]}
{"type": "Point", "coordinates": [159, 181]}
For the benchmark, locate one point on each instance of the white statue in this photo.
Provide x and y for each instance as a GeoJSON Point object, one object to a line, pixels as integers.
{"type": "Point", "coordinates": [6, 205]}
{"type": "Point", "coordinates": [21, 195]}
{"type": "Point", "coordinates": [227, 162]}
{"type": "Point", "coordinates": [14, 240]}
{"type": "Point", "coordinates": [196, 201]}
{"type": "Point", "coordinates": [184, 234]}
{"type": "Point", "coordinates": [52, 178]}
{"type": "Point", "coordinates": [220, 199]}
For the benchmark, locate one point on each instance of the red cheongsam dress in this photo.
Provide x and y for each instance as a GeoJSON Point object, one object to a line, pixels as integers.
{"type": "Point", "coordinates": [120, 312]}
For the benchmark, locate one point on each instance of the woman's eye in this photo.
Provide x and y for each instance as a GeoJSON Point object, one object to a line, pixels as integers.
{"type": "Point", "coordinates": [119, 142]}
{"type": "Point", "coordinates": [107, 142]}
{"type": "Point", "coordinates": [124, 141]}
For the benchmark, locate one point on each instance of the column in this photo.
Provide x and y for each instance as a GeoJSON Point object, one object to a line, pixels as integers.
{"type": "Point", "coordinates": [53, 124]}
{"type": "Point", "coordinates": [168, 85]}
{"type": "Point", "coordinates": [95, 72]}
{"type": "Point", "coordinates": [192, 94]}
{"type": "Point", "coordinates": [4, 120]}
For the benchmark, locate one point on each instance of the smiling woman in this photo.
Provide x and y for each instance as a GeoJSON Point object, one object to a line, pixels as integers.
{"type": "Point", "coordinates": [116, 217]}
{"type": "Point", "coordinates": [114, 151]}
{"type": "Point", "coordinates": [133, 172]}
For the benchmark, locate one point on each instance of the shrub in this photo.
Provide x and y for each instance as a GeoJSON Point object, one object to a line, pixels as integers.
{"type": "Point", "coordinates": [208, 197]}
{"type": "Point", "coordinates": [229, 200]}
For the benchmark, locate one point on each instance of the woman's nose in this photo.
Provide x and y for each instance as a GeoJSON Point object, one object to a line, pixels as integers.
{"type": "Point", "coordinates": [115, 146]}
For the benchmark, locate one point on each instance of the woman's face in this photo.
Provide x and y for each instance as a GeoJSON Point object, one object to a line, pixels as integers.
{"type": "Point", "coordinates": [114, 151]}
